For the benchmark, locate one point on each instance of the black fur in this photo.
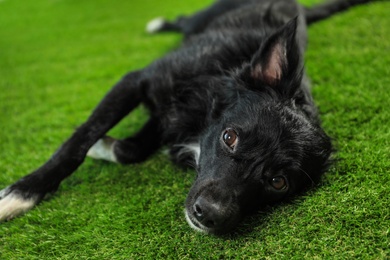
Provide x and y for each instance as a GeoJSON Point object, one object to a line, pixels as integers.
{"type": "Point", "coordinates": [236, 89]}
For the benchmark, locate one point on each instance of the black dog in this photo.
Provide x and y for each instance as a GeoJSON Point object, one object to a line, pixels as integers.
{"type": "Point", "coordinates": [233, 101]}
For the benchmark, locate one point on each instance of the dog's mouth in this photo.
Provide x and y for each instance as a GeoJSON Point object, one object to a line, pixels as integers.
{"type": "Point", "coordinates": [195, 224]}
{"type": "Point", "coordinates": [228, 224]}
{"type": "Point", "coordinates": [210, 209]}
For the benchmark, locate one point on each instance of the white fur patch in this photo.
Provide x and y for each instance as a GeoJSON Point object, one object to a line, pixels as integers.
{"type": "Point", "coordinates": [13, 205]}
{"type": "Point", "coordinates": [103, 149]}
{"type": "Point", "coordinates": [192, 225]}
{"type": "Point", "coordinates": [193, 148]}
{"type": "Point", "coordinates": [155, 25]}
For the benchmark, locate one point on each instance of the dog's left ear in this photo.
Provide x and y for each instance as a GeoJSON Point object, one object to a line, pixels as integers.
{"type": "Point", "coordinates": [277, 62]}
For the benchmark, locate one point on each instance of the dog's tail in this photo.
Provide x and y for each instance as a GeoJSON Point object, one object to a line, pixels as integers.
{"type": "Point", "coordinates": [325, 10]}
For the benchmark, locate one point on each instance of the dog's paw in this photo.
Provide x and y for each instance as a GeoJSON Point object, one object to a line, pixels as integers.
{"type": "Point", "coordinates": [103, 149]}
{"type": "Point", "coordinates": [155, 25]}
{"type": "Point", "coordinates": [13, 203]}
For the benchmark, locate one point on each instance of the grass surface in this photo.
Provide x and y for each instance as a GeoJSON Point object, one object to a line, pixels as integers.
{"type": "Point", "coordinates": [58, 58]}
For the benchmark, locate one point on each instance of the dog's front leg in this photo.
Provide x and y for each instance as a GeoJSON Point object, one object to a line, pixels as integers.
{"type": "Point", "coordinates": [28, 191]}
{"type": "Point", "coordinates": [133, 149]}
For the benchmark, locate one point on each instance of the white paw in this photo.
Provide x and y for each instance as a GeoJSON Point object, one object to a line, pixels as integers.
{"type": "Point", "coordinates": [103, 149]}
{"type": "Point", "coordinates": [13, 205]}
{"type": "Point", "coordinates": [192, 148]}
{"type": "Point", "coordinates": [155, 25]}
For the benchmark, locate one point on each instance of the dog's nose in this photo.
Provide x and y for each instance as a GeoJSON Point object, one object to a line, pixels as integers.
{"type": "Point", "coordinates": [208, 213]}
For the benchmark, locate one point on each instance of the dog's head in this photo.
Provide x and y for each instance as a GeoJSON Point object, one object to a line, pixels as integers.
{"type": "Point", "coordinates": [263, 147]}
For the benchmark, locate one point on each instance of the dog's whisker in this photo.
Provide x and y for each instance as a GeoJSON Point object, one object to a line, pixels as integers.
{"type": "Point", "coordinates": [312, 181]}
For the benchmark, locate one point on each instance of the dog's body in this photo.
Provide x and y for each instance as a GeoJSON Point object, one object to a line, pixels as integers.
{"type": "Point", "coordinates": [233, 101]}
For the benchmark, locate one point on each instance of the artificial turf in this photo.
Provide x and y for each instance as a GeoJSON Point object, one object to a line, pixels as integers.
{"type": "Point", "coordinates": [59, 57]}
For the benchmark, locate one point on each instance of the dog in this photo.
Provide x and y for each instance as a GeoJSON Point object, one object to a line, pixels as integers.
{"type": "Point", "coordinates": [233, 102]}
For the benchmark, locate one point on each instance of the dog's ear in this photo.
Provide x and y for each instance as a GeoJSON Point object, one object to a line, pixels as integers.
{"type": "Point", "coordinates": [277, 62]}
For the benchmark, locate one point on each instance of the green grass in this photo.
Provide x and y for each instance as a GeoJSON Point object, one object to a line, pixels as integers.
{"type": "Point", "coordinates": [58, 58]}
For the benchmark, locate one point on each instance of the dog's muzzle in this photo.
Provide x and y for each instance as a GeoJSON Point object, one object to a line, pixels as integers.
{"type": "Point", "coordinates": [212, 212]}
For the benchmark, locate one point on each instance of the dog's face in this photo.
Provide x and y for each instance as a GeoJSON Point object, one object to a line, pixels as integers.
{"type": "Point", "coordinates": [254, 156]}
{"type": "Point", "coordinates": [261, 149]}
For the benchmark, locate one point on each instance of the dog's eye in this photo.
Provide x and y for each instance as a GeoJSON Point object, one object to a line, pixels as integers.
{"type": "Point", "coordinates": [230, 138]}
{"type": "Point", "coordinates": [279, 183]}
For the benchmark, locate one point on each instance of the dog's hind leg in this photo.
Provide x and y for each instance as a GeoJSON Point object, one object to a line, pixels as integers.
{"type": "Point", "coordinates": [130, 150]}
{"type": "Point", "coordinates": [195, 23]}
{"type": "Point", "coordinates": [28, 191]}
